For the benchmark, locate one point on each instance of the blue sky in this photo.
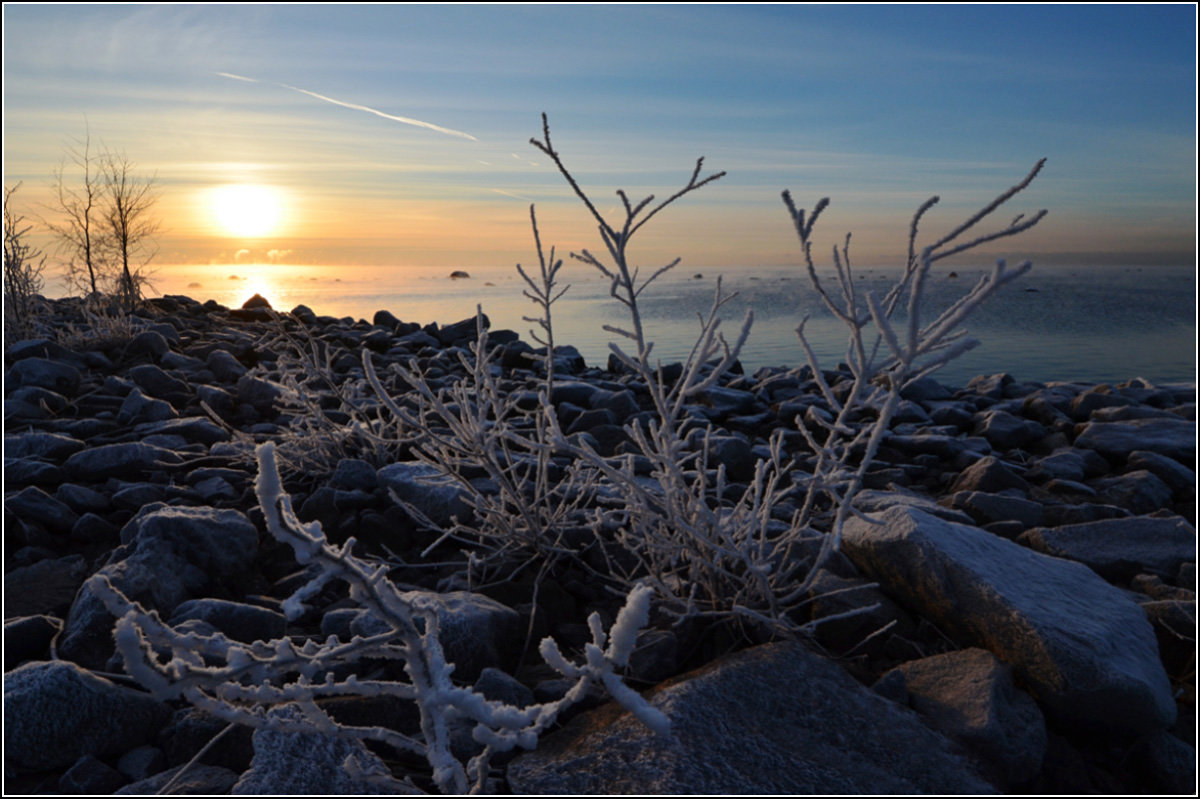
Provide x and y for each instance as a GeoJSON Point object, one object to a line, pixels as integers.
{"type": "Point", "coordinates": [877, 107]}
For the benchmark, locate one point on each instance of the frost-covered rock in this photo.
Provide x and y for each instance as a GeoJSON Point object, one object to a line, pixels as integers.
{"type": "Point", "coordinates": [1083, 647]}
{"type": "Point", "coordinates": [775, 719]}
{"type": "Point", "coordinates": [425, 488]}
{"type": "Point", "coordinates": [56, 712]}
{"type": "Point", "coordinates": [295, 763]}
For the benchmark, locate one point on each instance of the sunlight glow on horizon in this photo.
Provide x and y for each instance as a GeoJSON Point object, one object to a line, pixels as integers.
{"type": "Point", "coordinates": [368, 164]}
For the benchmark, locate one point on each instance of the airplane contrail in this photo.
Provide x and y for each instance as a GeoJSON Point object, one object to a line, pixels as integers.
{"type": "Point", "coordinates": [407, 121]}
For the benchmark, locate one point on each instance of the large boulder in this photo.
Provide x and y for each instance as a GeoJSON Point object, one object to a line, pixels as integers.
{"type": "Point", "coordinates": [1175, 438]}
{"type": "Point", "coordinates": [1081, 646]}
{"type": "Point", "coordinates": [775, 719]}
{"type": "Point", "coordinates": [56, 712]}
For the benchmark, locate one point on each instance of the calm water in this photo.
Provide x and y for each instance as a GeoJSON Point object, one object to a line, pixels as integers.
{"type": "Point", "coordinates": [1056, 323]}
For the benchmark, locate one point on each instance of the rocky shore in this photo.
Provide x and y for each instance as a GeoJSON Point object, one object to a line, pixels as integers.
{"type": "Point", "coordinates": [1032, 546]}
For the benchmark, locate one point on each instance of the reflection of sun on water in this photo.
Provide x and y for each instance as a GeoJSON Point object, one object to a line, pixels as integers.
{"type": "Point", "coordinates": [246, 210]}
{"type": "Point", "coordinates": [261, 284]}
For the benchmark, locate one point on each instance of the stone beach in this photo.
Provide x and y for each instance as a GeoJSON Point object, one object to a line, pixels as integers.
{"type": "Point", "coordinates": [1032, 547]}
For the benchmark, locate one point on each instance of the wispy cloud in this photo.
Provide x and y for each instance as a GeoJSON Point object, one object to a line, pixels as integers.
{"type": "Point", "coordinates": [514, 196]}
{"type": "Point", "coordinates": [355, 106]}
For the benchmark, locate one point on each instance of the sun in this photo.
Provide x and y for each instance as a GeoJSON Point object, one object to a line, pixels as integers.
{"type": "Point", "coordinates": [246, 210]}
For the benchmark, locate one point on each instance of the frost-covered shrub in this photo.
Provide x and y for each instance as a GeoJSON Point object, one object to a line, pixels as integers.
{"type": "Point", "coordinates": [241, 682]}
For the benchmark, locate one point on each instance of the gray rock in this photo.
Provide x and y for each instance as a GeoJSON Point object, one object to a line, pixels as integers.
{"type": "Point", "coordinates": [294, 763]}
{"type": "Point", "coordinates": [90, 775]}
{"type": "Point", "coordinates": [239, 621]}
{"type": "Point", "coordinates": [128, 461]}
{"type": "Point", "coordinates": [1137, 491]}
{"type": "Point", "coordinates": [55, 375]}
{"type": "Point", "coordinates": [27, 471]}
{"type": "Point", "coordinates": [354, 474]}
{"type": "Point", "coordinates": [1179, 477]}
{"type": "Point", "coordinates": [137, 407]}
{"type": "Point", "coordinates": [991, 475]}
{"type": "Point", "coordinates": [258, 393]}
{"type": "Point", "coordinates": [56, 712]}
{"type": "Point", "coordinates": [47, 446]}
{"type": "Point", "coordinates": [970, 696]}
{"type": "Point", "coordinates": [985, 508]}
{"type": "Point", "coordinates": [224, 366]}
{"type": "Point", "coordinates": [28, 637]}
{"type": "Point", "coordinates": [198, 780]}
{"type": "Point", "coordinates": [158, 383]}
{"type": "Point", "coordinates": [1083, 647]}
{"type": "Point", "coordinates": [148, 342]}
{"type": "Point", "coordinates": [47, 586]}
{"type": "Point", "coordinates": [1174, 438]}
{"type": "Point", "coordinates": [873, 501]}
{"type": "Point", "coordinates": [36, 505]}
{"type": "Point", "coordinates": [190, 429]}
{"type": "Point", "coordinates": [775, 719]}
{"type": "Point", "coordinates": [425, 488]}
{"type": "Point", "coordinates": [1005, 431]}
{"type": "Point", "coordinates": [172, 554]}
{"type": "Point", "coordinates": [1117, 549]}
{"type": "Point", "coordinates": [475, 631]}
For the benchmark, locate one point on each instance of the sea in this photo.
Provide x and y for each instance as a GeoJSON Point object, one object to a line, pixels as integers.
{"type": "Point", "coordinates": [1056, 323]}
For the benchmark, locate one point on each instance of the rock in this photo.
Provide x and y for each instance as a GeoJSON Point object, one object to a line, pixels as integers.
{"type": "Point", "coordinates": [137, 407]}
{"type": "Point", "coordinates": [172, 555]}
{"type": "Point", "coordinates": [90, 775]}
{"type": "Point", "coordinates": [27, 637]}
{"type": "Point", "coordinates": [35, 444]}
{"type": "Point", "coordinates": [36, 505]}
{"type": "Point", "coordinates": [1005, 431]}
{"type": "Point", "coordinates": [47, 586]}
{"type": "Point", "coordinates": [827, 734]}
{"type": "Point", "coordinates": [257, 301]}
{"type": "Point", "coordinates": [475, 631]}
{"type": "Point", "coordinates": [1084, 649]}
{"type": "Point", "coordinates": [1117, 549]}
{"type": "Point", "coordinates": [1174, 438]}
{"type": "Point", "coordinates": [1180, 478]}
{"type": "Point", "coordinates": [224, 366]}
{"type": "Point", "coordinates": [129, 460]}
{"type": "Point", "coordinates": [198, 780]}
{"type": "Point", "coordinates": [239, 621]}
{"type": "Point", "coordinates": [293, 763]}
{"type": "Point", "coordinates": [970, 697]}
{"type": "Point", "coordinates": [1137, 491]}
{"type": "Point", "coordinates": [991, 475]}
{"type": "Point", "coordinates": [148, 342]}
{"type": "Point", "coordinates": [986, 508]}
{"type": "Point", "coordinates": [158, 383]}
{"type": "Point", "coordinates": [55, 712]}
{"type": "Point", "coordinates": [57, 376]}
{"type": "Point", "coordinates": [426, 489]}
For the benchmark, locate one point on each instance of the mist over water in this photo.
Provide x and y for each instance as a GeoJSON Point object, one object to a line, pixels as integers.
{"type": "Point", "coordinates": [1092, 324]}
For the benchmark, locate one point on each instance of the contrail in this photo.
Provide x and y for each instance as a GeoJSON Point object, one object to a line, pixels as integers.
{"type": "Point", "coordinates": [356, 107]}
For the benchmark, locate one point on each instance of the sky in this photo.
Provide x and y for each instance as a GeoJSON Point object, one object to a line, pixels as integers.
{"type": "Point", "coordinates": [398, 135]}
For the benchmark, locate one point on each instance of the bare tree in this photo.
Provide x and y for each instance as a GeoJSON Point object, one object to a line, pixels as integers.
{"type": "Point", "coordinates": [23, 265]}
{"type": "Point", "coordinates": [82, 234]}
{"type": "Point", "coordinates": [129, 200]}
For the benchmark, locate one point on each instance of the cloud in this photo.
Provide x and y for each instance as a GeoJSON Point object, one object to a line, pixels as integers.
{"type": "Point", "coordinates": [275, 256]}
{"type": "Point", "coordinates": [355, 106]}
{"type": "Point", "coordinates": [514, 196]}
{"type": "Point", "coordinates": [240, 254]}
